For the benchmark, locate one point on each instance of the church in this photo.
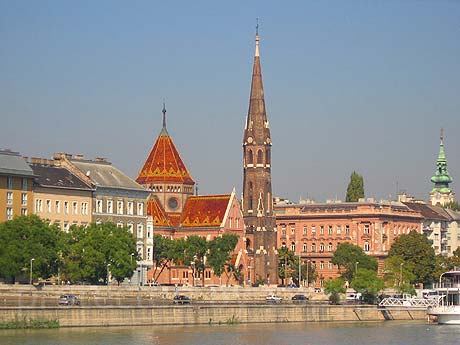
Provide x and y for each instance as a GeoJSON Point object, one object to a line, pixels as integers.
{"type": "Point", "coordinates": [174, 209]}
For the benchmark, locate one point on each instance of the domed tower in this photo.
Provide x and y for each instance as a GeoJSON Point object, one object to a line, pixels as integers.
{"type": "Point", "coordinates": [164, 173]}
{"type": "Point", "coordinates": [441, 194]}
{"type": "Point", "coordinates": [259, 217]}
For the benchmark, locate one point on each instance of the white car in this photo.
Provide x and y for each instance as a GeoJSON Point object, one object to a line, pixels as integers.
{"type": "Point", "coordinates": [273, 298]}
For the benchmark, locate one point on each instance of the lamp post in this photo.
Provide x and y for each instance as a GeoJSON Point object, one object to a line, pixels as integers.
{"type": "Point", "coordinates": [108, 268]}
{"type": "Point", "coordinates": [400, 272]}
{"type": "Point", "coordinates": [356, 267]}
{"type": "Point", "coordinates": [308, 267]}
{"type": "Point", "coordinates": [300, 271]}
{"type": "Point", "coordinates": [31, 268]}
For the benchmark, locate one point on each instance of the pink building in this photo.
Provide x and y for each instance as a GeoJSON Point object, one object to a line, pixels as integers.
{"type": "Point", "coordinates": [313, 231]}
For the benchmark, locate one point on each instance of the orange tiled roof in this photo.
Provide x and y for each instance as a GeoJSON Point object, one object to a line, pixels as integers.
{"type": "Point", "coordinates": [154, 209]}
{"type": "Point", "coordinates": [164, 164]}
{"type": "Point", "coordinates": [204, 211]}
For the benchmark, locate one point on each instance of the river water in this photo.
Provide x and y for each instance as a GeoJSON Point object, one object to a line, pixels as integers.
{"type": "Point", "coordinates": [381, 333]}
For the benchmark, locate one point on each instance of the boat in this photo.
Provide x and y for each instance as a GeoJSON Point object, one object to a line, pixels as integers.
{"type": "Point", "coordinates": [447, 311]}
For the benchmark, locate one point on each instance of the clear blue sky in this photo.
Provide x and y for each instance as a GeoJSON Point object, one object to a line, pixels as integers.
{"type": "Point", "coordinates": [349, 85]}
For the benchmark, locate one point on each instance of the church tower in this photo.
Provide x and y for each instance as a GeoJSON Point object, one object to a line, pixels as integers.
{"type": "Point", "coordinates": [441, 194]}
{"type": "Point", "coordinates": [258, 212]}
{"type": "Point", "coordinates": [164, 173]}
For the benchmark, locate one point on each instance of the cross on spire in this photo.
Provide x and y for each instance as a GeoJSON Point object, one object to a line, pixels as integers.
{"type": "Point", "coordinates": [164, 114]}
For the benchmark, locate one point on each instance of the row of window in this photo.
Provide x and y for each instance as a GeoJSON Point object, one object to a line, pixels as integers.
{"type": "Point", "coordinates": [67, 207]}
{"type": "Point", "coordinates": [9, 183]}
{"type": "Point", "coordinates": [9, 213]}
{"type": "Point", "coordinates": [260, 157]}
{"type": "Point", "coordinates": [9, 198]}
{"type": "Point", "coordinates": [321, 229]}
{"type": "Point", "coordinates": [171, 189]}
{"type": "Point", "coordinates": [322, 247]}
{"type": "Point", "coordinates": [120, 204]}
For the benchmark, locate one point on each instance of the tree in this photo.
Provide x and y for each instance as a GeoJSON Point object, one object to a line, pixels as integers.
{"type": "Point", "coordinates": [220, 250]}
{"type": "Point", "coordinates": [287, 264]}
{"type": "Point", "coordinates": [165, 250]}
{"type": "Point", "coordinates": [196, 248]}
{"type": "Point", "coordinates": [355, 189]}
{"type": "Point", "coordinates": [24, 238]}
{"type": "Point", "coordinates": [368, 284]}
{"type": "Point", "coordinates": [453, 205]}
{"type": "Point", "coordinates": [348, 256]}
{"type": "Point", "coordinates": [98, 249]}
{"type": "Point", "coordinates": [398, 273]}
{"type": "Point", "coordinates": [417, 253]}
{"type": "Point", "coordinates": [334, 287]}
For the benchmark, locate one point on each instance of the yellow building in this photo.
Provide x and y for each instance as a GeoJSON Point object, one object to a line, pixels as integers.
{"type": "Point", "coordinates": [16, 179]}
{"type": "Point", "coordinates": [60, 197]}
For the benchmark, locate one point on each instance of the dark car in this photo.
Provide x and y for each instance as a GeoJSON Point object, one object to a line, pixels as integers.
{"type": "Point", "coordinates": [181, 299]}
{"type": "Point", "coordinates": [299, 298]}
{"type": "Point", "coordinates": [69, 300]}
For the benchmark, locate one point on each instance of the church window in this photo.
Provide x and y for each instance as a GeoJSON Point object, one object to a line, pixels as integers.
{"type": "Point", "coordinates": [251, 157]}
{"type": "Point", "coordinates": [250, 195]}
{"type": "Point", "coordinates": [260, 157]}
{"type": "Point", "coordinates": [267, 156]}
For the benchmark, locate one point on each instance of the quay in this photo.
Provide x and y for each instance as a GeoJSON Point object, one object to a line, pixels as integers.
{"type": "Point", "coordinates": [130, 306]}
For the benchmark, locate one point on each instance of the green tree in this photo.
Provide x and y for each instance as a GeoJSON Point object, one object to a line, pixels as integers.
{"type": "Point", "coordinates": [398, 273]}
{"type": "Point", "coordinates": [348, 257]}
{"type": "Point", "coordinates": [165, 250]}
{"type": "Point", "coordinates": [355, 189]}
{"type": "Point", "coordinates": [333, 288]}
{"type": "Point", "coordinates": [417, 253]}
{"type": "Point", "coordinates": [287, 264]}
{"type": "Point", "coordinates": [453, 205]}
{"type": "Point", "coordinates": [98, 249]}
{"type": "Point", "coordinates": [220, 250]}
{"type": "Point", "coordinates": [196, 248]}
{"type": "Point", "coordinates": [24, 238]}
{"type": "Point", "coordinates": [368, 284]}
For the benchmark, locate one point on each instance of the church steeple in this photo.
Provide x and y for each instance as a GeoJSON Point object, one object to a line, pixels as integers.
{"type": "Point", "coordinates": [258, 212]}
{"type": "Point", "coordinates": [164, 132]}
{"type": "Point", "coordinates": [441, 193]}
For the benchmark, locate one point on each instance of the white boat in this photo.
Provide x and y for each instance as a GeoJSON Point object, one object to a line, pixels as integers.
{"type": "Point", "coordinates": [448, 309]}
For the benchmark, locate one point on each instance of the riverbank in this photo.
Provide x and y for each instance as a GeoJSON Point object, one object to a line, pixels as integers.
{"type": "Point", "coordinates": [203, 314]}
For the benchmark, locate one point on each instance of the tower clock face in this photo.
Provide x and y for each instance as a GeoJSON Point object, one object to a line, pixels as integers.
{"type": "Point", "coordinates": [173, 203]}
{"type": "Point", "coordinates": [250, 140]}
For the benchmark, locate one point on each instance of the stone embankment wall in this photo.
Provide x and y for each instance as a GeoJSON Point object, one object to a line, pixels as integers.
{"type": "Point", "coordinates": [113, 306]}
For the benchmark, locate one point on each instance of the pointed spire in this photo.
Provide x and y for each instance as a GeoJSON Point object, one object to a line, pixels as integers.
{"type": "Point", "coordinates": [164, 132]}
{"type": "Point", "coordinates": [441, 178]}
{"type": "Point", "coordinates": [257, 38]}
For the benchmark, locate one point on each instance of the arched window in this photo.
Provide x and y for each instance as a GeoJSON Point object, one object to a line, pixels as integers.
{"type": "Point", "coordinates": [366, 246]}
{"type": "Point", "coordinates": [313, 247]}
{"type": "Point", "coordinates": [329, 247]}
{"type": "Point", "coordinates": [304, 247]}
{"type": "Point", "coordinates": [250, 195]}
{"type": "Point", "coordinates": [267, 156]}
{"type": "Point", "coordinates": [248, 243]}
{"type": "Point", "coordinates": [260, 158]}
{"type": "Point", "coordinates": [251, 157]}
{"type": "Point", "coordinates": [321, 247]}
{"type": "Point", "coordinates": [293, 246]}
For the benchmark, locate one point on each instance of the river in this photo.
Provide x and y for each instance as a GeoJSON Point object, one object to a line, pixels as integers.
{"type": "Point", "coordinates": [378, 333]}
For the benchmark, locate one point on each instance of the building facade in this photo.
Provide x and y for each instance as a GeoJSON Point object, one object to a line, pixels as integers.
{"type": "Point", "coordinates": [313, 231]}
{"type": "Point", "coordinates": [259, 217]}
{"type": "Point", "coordinates": [16, 179]}
{"type": "Point", "coordinates": [174, 212]}
{"type": "Point", "coordinates": [59, 196]}
{"type": "Point", "coordinates": [116, 198]}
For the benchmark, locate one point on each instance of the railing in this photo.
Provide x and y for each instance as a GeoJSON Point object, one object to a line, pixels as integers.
{"type": "Point", "coordinates": [446, 285]}
{"type": "Point", "coordinates": [420, 303]}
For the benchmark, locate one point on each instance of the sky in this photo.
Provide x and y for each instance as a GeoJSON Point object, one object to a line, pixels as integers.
{"type": "Point", "coordinates": [349, 86]}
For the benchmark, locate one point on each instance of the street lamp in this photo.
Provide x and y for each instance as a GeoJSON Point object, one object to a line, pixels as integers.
{"type": "Point", "coordinates": [31, 268]}
{"type": "Point", "coordinates": [356, 267]}
{"type": "Point", "coordinates": [308, 267]}
{"type": "Point", "coordinates": [300, 272]}
{"type": "Point", "coordinates": [400, 272]}
{"type": "Point", "coordinates": [108, 268]}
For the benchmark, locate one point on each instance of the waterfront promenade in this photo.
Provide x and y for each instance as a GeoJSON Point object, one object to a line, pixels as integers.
{"type": "Point", "coordinates": [125, 305]}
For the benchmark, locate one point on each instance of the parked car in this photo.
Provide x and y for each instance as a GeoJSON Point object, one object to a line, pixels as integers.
{"type": "Point", "coordinates": [69, 300]}
{"type": "Point", "coordinates": [273, 298]}
{"type": "Point", "coordinates": [299, 298]}
{"type": "Point", "coordinates": [353, 298]}
{"type": "Point", "coordinates": [181, 299]}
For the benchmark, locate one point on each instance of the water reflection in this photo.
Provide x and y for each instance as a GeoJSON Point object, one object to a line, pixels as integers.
{"type": "Point", "coordinates": [407, 333]}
